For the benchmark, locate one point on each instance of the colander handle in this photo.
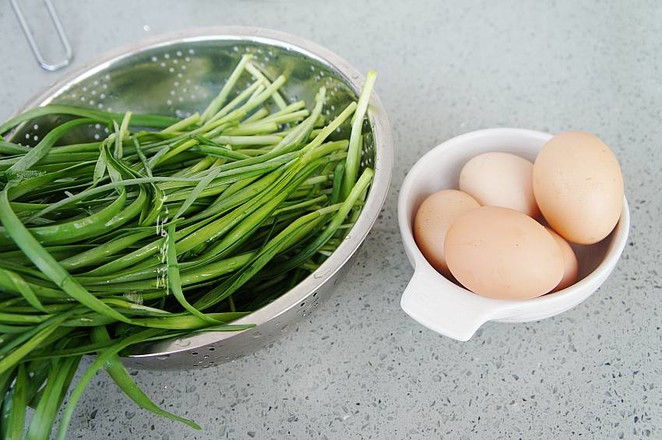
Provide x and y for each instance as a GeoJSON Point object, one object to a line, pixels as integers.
{"type": "Point", "coordinates": [448, 310]}
{"type": "Point", "coordinates": [68, 52]}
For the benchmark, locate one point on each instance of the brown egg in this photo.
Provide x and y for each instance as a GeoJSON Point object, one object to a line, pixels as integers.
{"type": "Point", "coordinates": [571, 265]}
{"type": "Point", "coordinates": [500, 179]}
{"type": "Point", "coordinates": [502, 253]}
{"type": "Point", "coordinates": [432, 220]}
{"type": "Point", "coordinates": [578, 185]}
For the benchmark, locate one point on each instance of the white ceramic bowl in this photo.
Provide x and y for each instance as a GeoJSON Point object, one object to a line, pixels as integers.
{"type": "Point", "coordinates": [453, 311]}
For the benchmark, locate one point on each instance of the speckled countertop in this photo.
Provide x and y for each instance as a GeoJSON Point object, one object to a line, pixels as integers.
{"type": "Point", "coordinates": [358, 367]}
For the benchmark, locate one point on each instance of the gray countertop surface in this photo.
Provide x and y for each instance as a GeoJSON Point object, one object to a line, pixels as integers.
{"type": "Point", "coordinates": [358, 367]}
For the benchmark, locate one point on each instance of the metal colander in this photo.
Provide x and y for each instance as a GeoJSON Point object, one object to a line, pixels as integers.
{"type": "Point", "coordinates": [178, 75]}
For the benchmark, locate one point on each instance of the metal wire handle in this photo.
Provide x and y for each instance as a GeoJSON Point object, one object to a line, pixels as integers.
{"type": "Point", "coordinates": [68, 52]}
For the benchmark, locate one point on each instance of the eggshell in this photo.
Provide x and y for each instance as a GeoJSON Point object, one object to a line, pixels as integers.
{"type": "Point", "coordinates": [578, 185]}
{"type": "Point", "coordinates": [432, 220]}
{"type": "Point", "coordinates": [500, 179]}
{"type": "Point", "coordinates": [502, 253]}
{"type": "Point", "coordinates": [571, 265]}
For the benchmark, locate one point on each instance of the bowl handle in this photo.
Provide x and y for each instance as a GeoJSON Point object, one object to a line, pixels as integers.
{"type": "Point", "coordinates": [448, 310]}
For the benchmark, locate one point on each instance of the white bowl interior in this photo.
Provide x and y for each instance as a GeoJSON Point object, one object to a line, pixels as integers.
{"type": "Point", "coordinates": [451, 310]}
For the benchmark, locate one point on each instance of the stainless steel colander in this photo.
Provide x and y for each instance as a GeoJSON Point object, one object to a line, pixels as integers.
{"type": "Point", "coordinates": [178, 75]}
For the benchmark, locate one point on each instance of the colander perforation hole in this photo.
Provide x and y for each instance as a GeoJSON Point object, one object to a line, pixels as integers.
{"type": "Point", "coordinates": [31, 137]}
{"type": "Point", "coordinates": [180, 93]}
